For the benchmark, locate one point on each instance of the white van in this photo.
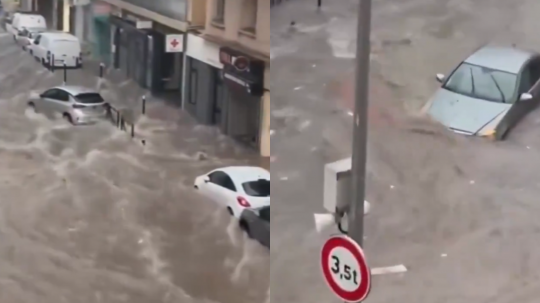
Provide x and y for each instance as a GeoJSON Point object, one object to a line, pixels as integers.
{"type": "Point", "coordinates": [22, 20]}
{"type": "Point", "coordinates": [64, 47]}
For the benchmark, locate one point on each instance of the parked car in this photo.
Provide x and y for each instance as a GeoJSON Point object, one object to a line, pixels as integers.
{"type": "Point", "coordinates": [76, 104]}
{"type": "Point", "coordinates": [488, 93]}
{"type": "Point", "coordinates": [236, 188]}
{"type": "Point", "coordinates": [29, 20]}
{"type": "Point", "coordinates": [26, 36]}
{"type": "Point", "coordinates": [64, 47]}
{"type": "Point", "coordinates": [256, 224]}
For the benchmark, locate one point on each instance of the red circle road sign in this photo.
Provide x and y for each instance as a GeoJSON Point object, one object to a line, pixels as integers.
{"type": "Point", "coordinates": [345, 268]}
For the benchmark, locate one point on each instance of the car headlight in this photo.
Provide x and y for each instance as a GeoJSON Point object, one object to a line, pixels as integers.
{"type": "Point", "coordinates": [490, 134]}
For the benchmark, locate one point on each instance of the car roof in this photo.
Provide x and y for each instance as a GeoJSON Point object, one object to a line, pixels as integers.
{"type": "Point", "coordinates": [243, 174]}
{"type": "Point", "coordinates": [506, 59]}
{"type": "Point", "coordinates": [76, 90]}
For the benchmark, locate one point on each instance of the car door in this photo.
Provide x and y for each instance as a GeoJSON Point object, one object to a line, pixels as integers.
{"type": "Point", "coordinates": [62, 102]}
{"type": "Point", "coordinates": [215, 188]}
{"type": "Point", "coordinates": [36, 49]}
{"type": "Point", "coordinates": [47, 100]}
{"type": "Point", "coordinates": [527, 79]}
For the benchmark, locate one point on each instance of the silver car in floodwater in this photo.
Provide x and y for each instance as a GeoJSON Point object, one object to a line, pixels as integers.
{"type": "Point", "coordinates": [488, 93]}
{"type": "Point", "coordinates": [76, 104]}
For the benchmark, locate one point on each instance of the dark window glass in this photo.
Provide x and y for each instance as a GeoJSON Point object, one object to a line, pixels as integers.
{"type": "Point", "coordinates": [259, 188]}
{"type": "Point", "coordinates": [89, 98]}
{"type": "Point", "coordinates": [62, 95]}
{"type": "Point", "coordinates": [222, 179]}
{"type": "Point", "coordinates": [50, 94]}
{"type": "Point", "coordinates": [264, 214]}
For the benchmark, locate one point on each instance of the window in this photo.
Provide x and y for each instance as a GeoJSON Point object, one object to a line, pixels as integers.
{"type": "Point", "coordinates": [264, 213]}
{"type": "Point", "coordinates": [222, 179]}
{"type": "Point", "coordinates": [89, 98]}
{"type": "Point", "coordinates": [50, 94]}
{"type": "Point", "coordinates": [62, 95]}
{"type": "Point", "coordinates": [193, 85]}
{"type": "Point", "coordinates": [219, 15]}
{"type": "Point", "coordinates": [482, 83]}
{"type": "Point", "coordinates": [249, 16]}
{"type": "Point", "coordinates": [259, 188]}
{"type": "Point", "coordinates": [38, 38]}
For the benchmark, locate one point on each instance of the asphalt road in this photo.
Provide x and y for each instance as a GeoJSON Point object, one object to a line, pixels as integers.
{"type": "Point", "coordinates": [459, 212]}
{"type": "Point", "coordinates": [89, 215]}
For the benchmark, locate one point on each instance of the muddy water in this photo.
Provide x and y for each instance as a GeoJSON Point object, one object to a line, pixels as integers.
{"type": "Point", "coordinates": [88, 215]}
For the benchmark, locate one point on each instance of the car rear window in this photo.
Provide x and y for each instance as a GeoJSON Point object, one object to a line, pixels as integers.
{"type": "Point", "coordinates": [259, 188]}
{"type": "Point", "coordinates": [89, 98]}
{"type": "Point", "coordinates": [264, 214]}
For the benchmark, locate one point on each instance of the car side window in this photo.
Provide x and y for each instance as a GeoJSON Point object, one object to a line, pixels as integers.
{"type": "Point", "coordinates": [62, 95]}
{"type": "Point", "coordinates": [38, 38]}
{"type": "Point", "coordinates": [222, 179]}
{"type": "Point", "coordinates": [50, 94]}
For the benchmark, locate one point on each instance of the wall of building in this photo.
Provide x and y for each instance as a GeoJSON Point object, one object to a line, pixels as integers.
{"type": "Point", "coordinates": [196, 13]}
{"type": "Point", "coordinates": [231, 28]}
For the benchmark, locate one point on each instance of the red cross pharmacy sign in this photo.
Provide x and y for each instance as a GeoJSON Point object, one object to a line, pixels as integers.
{"type": "Point", "coordinates": [174, 43]}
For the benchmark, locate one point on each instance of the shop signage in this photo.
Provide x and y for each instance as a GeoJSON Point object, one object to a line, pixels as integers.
{"type": "Point", "coordinates": [203, 50]}
{"type": "Point", "coordinates": [143, 24]}
{"type": "Point", "coordinates": [101, 8]}
{"type": "Point", "coordinates": [174, 43]}
{"type": "Point", "coordinates": [242, 70]}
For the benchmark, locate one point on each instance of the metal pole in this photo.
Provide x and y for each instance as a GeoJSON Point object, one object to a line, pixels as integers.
{"type": "Point", "coordinates": [65, 73]}
{"type": "Point", "coordinates": [143, 110]}
{"type": "Point", "coordinates": [359, 149]}
{"type": "Point", "coordinates": [101, 66]}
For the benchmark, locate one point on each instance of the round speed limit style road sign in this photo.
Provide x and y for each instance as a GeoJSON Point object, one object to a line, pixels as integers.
{"type": "Point", "coordinates": [345, 268]}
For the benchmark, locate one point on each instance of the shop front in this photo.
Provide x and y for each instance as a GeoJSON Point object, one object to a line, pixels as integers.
{"type": "Point", "coordinates": [205, 97]}
{"type": "Point", "coordinates": [243, 78]}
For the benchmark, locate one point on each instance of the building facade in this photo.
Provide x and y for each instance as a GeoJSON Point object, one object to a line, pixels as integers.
{"type": "Point", "coordinates": [227, 67]}
{"type": "Point", "coordinates": [212, 57]}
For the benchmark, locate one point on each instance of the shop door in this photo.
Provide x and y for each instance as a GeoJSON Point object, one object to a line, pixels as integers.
{"type": "Point", "coordinates": [218, 96]}
{"type": "Point", "coordinates": [123, 53]}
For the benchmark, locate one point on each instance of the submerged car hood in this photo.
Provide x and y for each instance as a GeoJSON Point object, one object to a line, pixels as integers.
{"type": "Point", "coordinates": [464, 113]}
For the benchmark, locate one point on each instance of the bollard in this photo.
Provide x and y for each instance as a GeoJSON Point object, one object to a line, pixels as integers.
{"type": "Point", "coordinates": [144, 105]}
{"type": "Point", "coordinates": [51, 63]}
{"type": "Point", "coordinates": [65, 73]}
{"type": "Point", "coordinates": [319, 3]}
{"type": "Point", "coordinates": [117, 119]}
{"type": "Point", "coordinates": [132, 130]}
{"type": "Point", "coordinates": [101, 67]}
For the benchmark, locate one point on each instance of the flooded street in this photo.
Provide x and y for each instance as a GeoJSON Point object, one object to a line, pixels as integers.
{"type": "Point", "coordinates": [89, 215]}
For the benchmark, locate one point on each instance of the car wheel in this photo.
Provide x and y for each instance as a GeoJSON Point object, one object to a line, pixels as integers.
{"type": "Point", "coordinates": [32, 106]}
{"type": "Point", "coordinates": [245, 227]}
{"type": "Point", "coordinates": [68, 118]}
{"type": "Point", "coordinates": [230, 211]}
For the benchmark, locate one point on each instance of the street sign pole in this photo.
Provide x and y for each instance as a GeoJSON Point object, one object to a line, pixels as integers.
{"type": "Point", "coordinates": [359, 148]}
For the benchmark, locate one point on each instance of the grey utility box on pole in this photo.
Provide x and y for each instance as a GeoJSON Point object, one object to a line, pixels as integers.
{"type": "Point", "coordinates": [338, 186]}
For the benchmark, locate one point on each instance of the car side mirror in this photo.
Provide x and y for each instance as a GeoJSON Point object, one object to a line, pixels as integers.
{"type": "Point", "coordinates": [206, 179]}
{"type": "Point", "coordinates": [525, 97]}
{"type": "Point", "coordinates": [439, 77]}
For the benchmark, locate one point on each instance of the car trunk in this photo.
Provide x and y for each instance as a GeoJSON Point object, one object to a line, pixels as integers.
{"type": "Point", "coordinates": [90, 103]}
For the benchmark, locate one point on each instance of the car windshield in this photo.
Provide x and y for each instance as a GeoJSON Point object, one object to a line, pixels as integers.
{"type": "Point", "coordinates": [482, 83]}
{"type": "Point", "coordinates": [264, 213]}
{"type": "Point", "coordinates": [89, 98]}
{"type": "Point", "coordinates": [258, 188]}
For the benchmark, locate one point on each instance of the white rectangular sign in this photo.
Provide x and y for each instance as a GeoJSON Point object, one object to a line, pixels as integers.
{"type": "Point", "coordinates": [174, 43]}
{"type": "Point", "coordinates": [203, 50]}
{"type": "Point", "coordinates": [143, 24]}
